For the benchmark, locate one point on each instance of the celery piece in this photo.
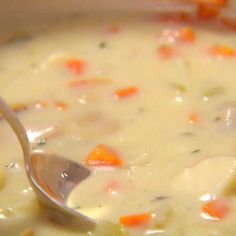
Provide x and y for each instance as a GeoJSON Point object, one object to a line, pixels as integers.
{"type": "Point", "coordinates": [179, 87]}
{"type": "Point", "coordinates": [215, 91]}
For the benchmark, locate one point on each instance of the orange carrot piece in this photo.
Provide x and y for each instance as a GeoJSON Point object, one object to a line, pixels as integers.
{"type": "Point", "coordinates": [85, 82]}
{"type": "Point", "coordinates": [60, 105]}
{"type": "Point", "coordinates": [179, 17]}
{"type": "Point", "coordinates": [102, 155]}
{"type": "Point", "coordinates": [135, 220]}
{"type": "Point", "coordinates": [217, 209]}
{"type": "Point", "coordinates": [219, 3]}
{"type": "Point", "coordinates": [165, 52]}
{"type": "Point", "coordinates": [193, 118]}
{"type": "Point", "coordinates": [78, 83]}
{"type": "Point", "coordinates": [126, 92]}
{"type": "Point", "coordinates": [207, 11]}
{"type": "Point", "coordinates": [114, 29]}
{"type": "Point", "coordinates": [187, 35]}
{"type": "Point", "coordinates": [222, 50]}
{"type": "Point", "coordinates": [76, 66]}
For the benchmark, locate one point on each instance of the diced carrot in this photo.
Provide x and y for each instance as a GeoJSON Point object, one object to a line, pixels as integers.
{"type": "Point", "coordinates": [78, 83]}
{"type": "Point", "coordinates": [135, 220]}
{"type": "Point", "coordinates": [169, 18]}
{"type": "Point", "coordinates": [126, 92]}
{"type": "Point", "coordinates": [182, 35]}
{"type": "Point", "coordinates": [219, 3]}
{"type": "Point", "coordinates": [76, 66]}
{"type": "Point", "coordinates": [187, 35]}
{"type": "Point", "coordinates": [81, 83]}
{"type": "Point", "coordinates": [193, 118]}
{"type": "Point", "coordinates": [217, 209]}
{"type": "Point", "coordinates": [60, 105]}
{"type": "Point", "coordinates": [222, 50]}
{"type": "Point", "coordinates": [166, 52]}
{"type": "Point", "coordinates": [207, 11]}
{"type": "Point", "coordinates": [114, 29]}
{"type": "Point", "coordinates": [103, 155]}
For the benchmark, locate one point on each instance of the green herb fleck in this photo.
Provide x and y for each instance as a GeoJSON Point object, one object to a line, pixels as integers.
{"type": "Point", "coordinates": [215, 91]}
{"type": "Point", "coordinates": [196, 151]}
{"type": "Point", "coordinates": [11, 165]}
{"type": "Point", "coordinates": [179, 87]}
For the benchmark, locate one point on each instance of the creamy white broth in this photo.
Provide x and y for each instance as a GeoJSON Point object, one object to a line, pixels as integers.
{"type": "Point", "coordinates": [171, 165]}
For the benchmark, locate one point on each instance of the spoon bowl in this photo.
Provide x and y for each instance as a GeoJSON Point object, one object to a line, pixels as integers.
{"type": "Point", "coordinates": [52, 177]}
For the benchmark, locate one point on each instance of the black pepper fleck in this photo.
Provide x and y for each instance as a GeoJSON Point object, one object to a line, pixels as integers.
{"type": "Point", "coordinates": [102, 45]}
{"type": "Point", "coordinates": [217, 118]}
{"type": "Point", "coordinates": [159, 198]}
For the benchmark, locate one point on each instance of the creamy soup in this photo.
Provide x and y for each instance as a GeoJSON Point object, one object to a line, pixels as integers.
{"type": "Point", "coordinates": [147, 103]}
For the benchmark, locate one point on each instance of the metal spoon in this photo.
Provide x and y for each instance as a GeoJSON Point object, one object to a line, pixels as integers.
{"type": "Point", "coordinates": [52, 177]}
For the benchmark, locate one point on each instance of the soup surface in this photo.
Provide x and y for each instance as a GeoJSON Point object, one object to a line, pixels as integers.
{"type": "Point", "coordinates": [147, 103]}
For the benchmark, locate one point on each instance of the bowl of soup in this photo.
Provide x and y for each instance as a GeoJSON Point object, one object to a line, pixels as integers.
{"type": "Point", "coordinates": [141, 94]}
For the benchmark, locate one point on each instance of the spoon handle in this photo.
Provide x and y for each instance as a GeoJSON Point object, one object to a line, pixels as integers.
{"type": "Point", "coordinates": [18, 128]}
